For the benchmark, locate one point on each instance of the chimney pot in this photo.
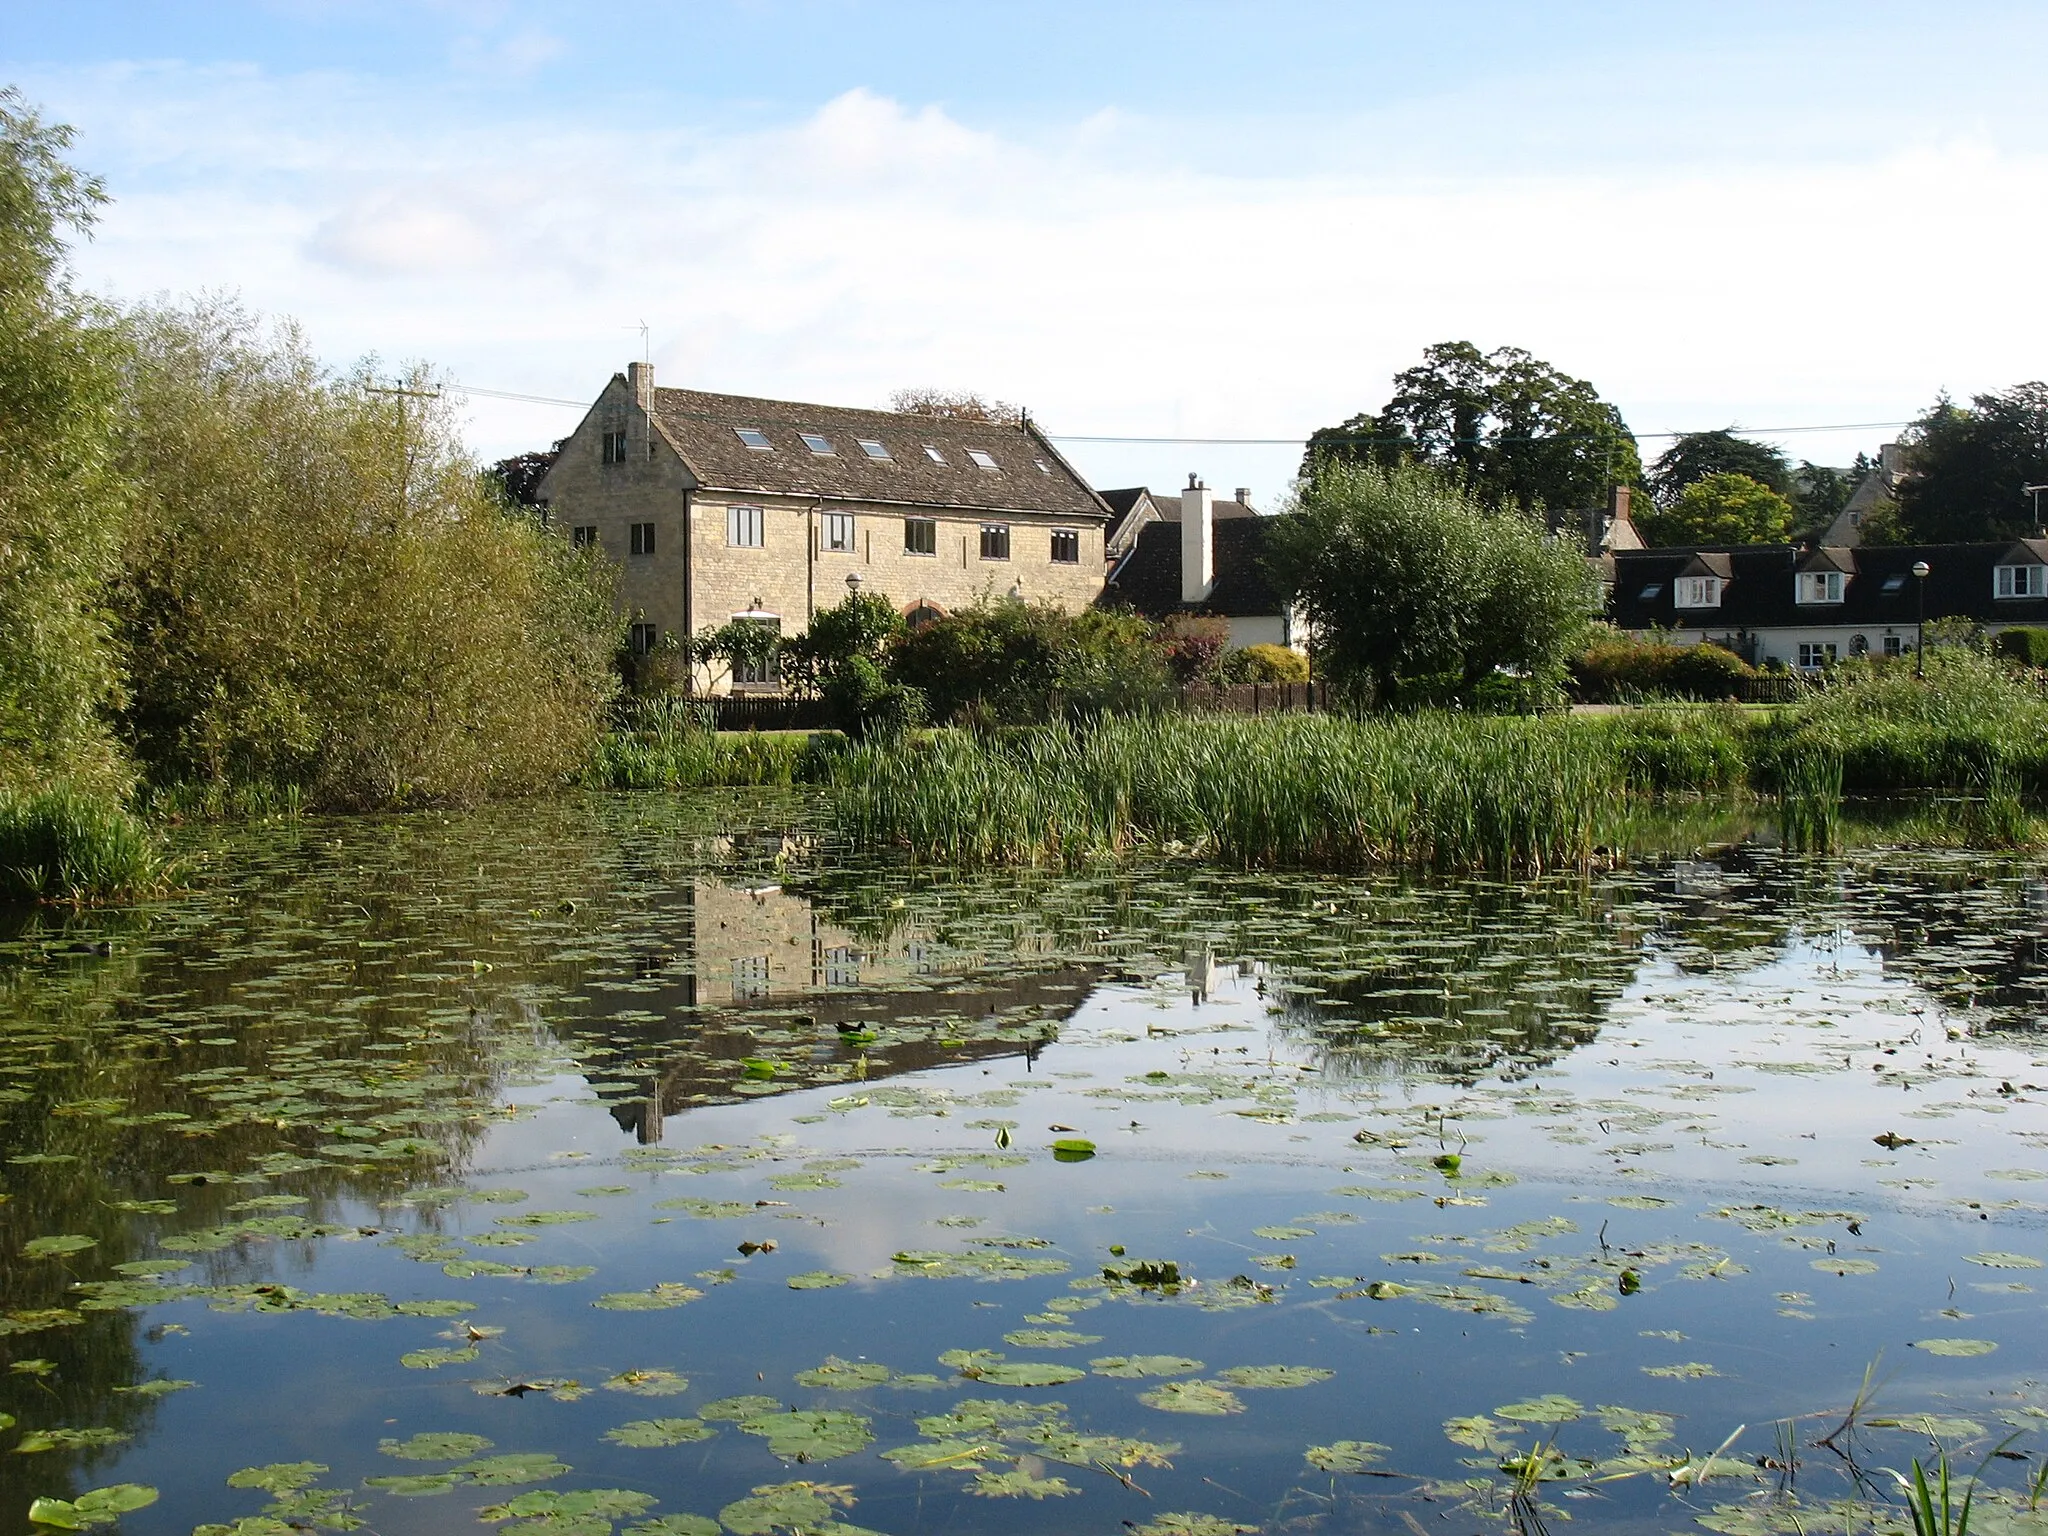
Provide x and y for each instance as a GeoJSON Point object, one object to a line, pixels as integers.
{"type": "Point", "coordinates": [1244, 495]}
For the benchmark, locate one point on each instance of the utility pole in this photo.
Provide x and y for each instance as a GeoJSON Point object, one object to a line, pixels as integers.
{"type": "Point", "coordinates": [402, 394]}
{"type": "Point", "coordinates": [2035, 492]}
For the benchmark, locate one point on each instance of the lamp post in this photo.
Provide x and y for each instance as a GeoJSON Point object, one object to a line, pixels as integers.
{"type": "Point", "coordinates": [1920, 570]}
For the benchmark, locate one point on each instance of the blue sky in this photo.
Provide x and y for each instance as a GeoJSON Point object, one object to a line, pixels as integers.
{"type": "Point", "coordinates": [1165, 220]}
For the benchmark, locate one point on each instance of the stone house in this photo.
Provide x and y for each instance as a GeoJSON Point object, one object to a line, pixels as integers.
{"type": "Point", "coordinates": [1135, 508]}
{"type": "Point", "coordinates": [723, 507]}
{"type": "Point", "coordinates": [1199, 564]}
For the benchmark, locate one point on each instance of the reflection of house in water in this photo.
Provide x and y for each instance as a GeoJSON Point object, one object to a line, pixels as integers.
{"type": "Point", "coordinates": [760, 973]}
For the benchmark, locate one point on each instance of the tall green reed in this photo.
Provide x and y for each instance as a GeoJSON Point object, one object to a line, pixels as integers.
{"type": "Point", "coordinates": [65, 845]}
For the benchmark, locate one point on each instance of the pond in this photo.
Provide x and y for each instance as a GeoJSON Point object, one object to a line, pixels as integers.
{"type": "Point", "coordinates": [646, 1164]}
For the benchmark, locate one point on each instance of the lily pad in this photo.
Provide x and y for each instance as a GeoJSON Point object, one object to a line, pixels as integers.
{"type": "Point", "coordinates": [101, 1506]}
{"type": "Point", "coordinates": [1200, 1397]}
{"type": "Point", "coordinates": [517, 1467]}
{"type": "Point", "coordinates": [781, 1507]}
{"type": "Point", "coordinates": [434, 1359]}
{"type": "Point", "coordinates": [1192, 1525]}
{"type": "Point", "coordinates": [1344, 1455]}
{"type": "Point", "coordinates": [1020, 1484]}
{"type": "Point", "coordinates": [278, 1476]}
{"type": "Point", "coordinates": [56, 1248]}
{"type": "Point", "coordinates": [738, 1408]}
{"type": "Point", "coordinates": [815, 1436]}
{"type": "Point", "coordinates": [658, 1298]}
{"type": "Point", "coordinates": [1550, 1408]}
{"type": "Point", "coordinates": [653, 1434]}
{"type": "Point", "coordinates": [1144, 1365]}
{"type": "Point", "coordinates": [1274, 1375]}
{"type": "Point", "coordinates": [844, 1375]}
{"type": "Point", "coordinates": [435, 1446]}
{"type": "Point", "coordinates": [1955, 1349]}
{"type": "Point", "coordinates": [818, 1280]}
{"type": "Point", "coordinates": [2002, 1260]}
{"type": "Point", "coordinates": [652, 1383]}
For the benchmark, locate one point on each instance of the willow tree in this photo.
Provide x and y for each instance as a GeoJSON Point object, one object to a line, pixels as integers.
{"type": "Point", "coordinates": [60, 506]}
{"type": "Point", "coordinates": [321, 590]}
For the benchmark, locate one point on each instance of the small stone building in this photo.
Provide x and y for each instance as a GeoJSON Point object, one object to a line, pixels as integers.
{"type": "Point", "coordinates": [723, 507]}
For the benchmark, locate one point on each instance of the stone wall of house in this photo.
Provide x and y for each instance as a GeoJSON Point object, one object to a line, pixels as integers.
{"type": "Point", "coordinates": [792, 574]}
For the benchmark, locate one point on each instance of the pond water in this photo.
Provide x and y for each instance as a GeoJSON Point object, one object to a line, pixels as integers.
{"type": "Point", "coordinates": [641, 1164]}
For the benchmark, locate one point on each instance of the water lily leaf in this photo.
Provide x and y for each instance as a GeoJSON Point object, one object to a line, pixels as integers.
{"type": "Point", "coordinates": [605, 1191]}
{"type": "Point", "coordinates": [2002, 1260]}
{"type": "Point", "coordinates": [1691, 1370]}
{"type": "Point", "coordinates": [1283, 1234]}
{"type": "Point", "coordinates": [1072, 1149]}
{"type": "Point", "coordinates": [278, 1476]}
{"type": "Point", "coordinates": [250, 1525]}
{"type": "Point", "coordinates": [39, 1440]}
{"type": "Point", "coordinates": [1202, 1397]}
{"type": "Point", "coordinates": [1479, 1433]}
{"type": "Point", "coordinates": [1029, 1373]}
{"type": "Point", "coordinates": [517, 1467]}
{"type": "Point", "coordinates": [659, 1298]}
{"type": "Point", "coordinates": [1049, 1338]}
{"type": "Point", "coordinates": [1274, 1375]}
{"type": "Point", "coordinates": [740, 1408]}
{"type": "Point", "coordinates": [1838, 1266]}
{"type": "Point", "coordinates": [434, 1359]}
{"type": "Point", "coordinates": [1638, 1202]}
{"type": "Point", "coordinates": [1955, 1349]}
{"type": "Point", "coordinates": [818, 1280]}
{"type": "Point", "coordinates": [560, 1274]}
{"type": "Point", "coordinates": [676, 1525]}
{"type": "Point", "coordinates": [1550, 1408]}
{"type": "Point", "coordinates": [430, 1445]}
{"type": "Point", "coordinates": [546, 1218]}
{"type": "Point", "coordinates": [814, 1436]}
{"type": "Point", "coordinates": [653, 1383]}
{"type": "Point", "coordinates": [1022, 1483]}
{"type": "Point", "coordinates": [585, 1512]}
{"type": "Point", "coordinates": [1639, 1430]}
{"type": "Point", "coordinates": [844, 1375]}
{"type": "Point", "coordinates": [1192, 1525]}
{"type": "Point", "coordinates": [1344, 1455]}
{"type": "Point", "coordinates": [652, 1434]}
{"type": "Point", "coordinates": [1144, 1365]}
{"type": "Point", "coordinates": [101, 1506]}
{"type": "Point", "coordinates": [413, 1485]}
{"type": "Point", "coordinates": [56, 1247]}
{"type": "Point", "coordinates": [784, 1507]}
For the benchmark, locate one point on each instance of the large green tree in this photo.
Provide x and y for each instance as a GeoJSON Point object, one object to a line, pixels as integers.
{"type": "Point", "coordinates": [1969, 465]}
{"type": "Point", "coordinates": [60, 503]}
{"type": "Point", "coordinates": [1721, 508]}
{"type": "Point", "coordinates": [1405, 576]}
{"type": "Point", "coordinates": [1696, 455]}
{"type": "Point", "coordinates": [1506, 425]}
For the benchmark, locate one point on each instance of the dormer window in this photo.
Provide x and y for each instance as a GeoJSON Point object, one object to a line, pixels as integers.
{"type": "Point", "coordinates": [984, 460]}
{"type": "Point", "coordinates": [821, 446]}
{"type": "Point", "coordinates": [2020, 581]}
{"type": "Point", "coordinates": [871, 448]}
{"type": "Point", "coordinates": [754, 438]}
{"type": "Point", "coordinates": [1820, 586]}
{"type": "Point", "coordinates": [933, 454]}
{"type": "Point", "coordinates": [1697, 592]}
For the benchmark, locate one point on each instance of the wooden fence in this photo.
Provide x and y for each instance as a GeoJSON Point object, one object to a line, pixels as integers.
{"type": "Point", "coordinates": [1257, 698]}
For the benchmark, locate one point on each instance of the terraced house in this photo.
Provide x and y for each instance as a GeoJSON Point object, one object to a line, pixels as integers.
{"type": "Point", "coordinates": [723, 507]}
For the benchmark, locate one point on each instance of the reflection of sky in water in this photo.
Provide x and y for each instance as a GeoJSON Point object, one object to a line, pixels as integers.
{"type": "Point", "coordinates": [1692, 1087]}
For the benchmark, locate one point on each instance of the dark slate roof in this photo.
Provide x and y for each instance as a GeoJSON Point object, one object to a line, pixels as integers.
{"type": "Point", "coordinates": [1148, 579]}
{"type": "Point", "coordinates": [700, 427]}
{"type": "Point", "coordinates": [1759, 590]}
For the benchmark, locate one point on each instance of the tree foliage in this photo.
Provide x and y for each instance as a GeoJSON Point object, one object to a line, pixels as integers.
{"type": "Point", "coordinates": [955, 405]}
{"type": "Point", "coordinates": [844, 655]}
{"type": "Point", "coordinates": [1505, 425]}
{"type": "Point", "coordinates": [1697, 455]}
{"type": "Point", "coordinates": [1410, 581]}
{"type": "Point", "coordinates": [1720, 508]}
{"type": "Point", "coordinates": [1012, 663]}
{"type": "Point", "coordinates": [319, 590]}
{"type": "Point", "coordinates": [1969, 465]}
{"type": "Point", "coordinates": [60, 503]}
{"type": "Point", "coordinates": [518, 478]}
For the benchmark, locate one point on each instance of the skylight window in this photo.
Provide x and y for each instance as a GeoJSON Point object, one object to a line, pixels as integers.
{"type": "Point", "coordinates": [933, 454]}
{"type": "Point", "coordinates": [1893, 584]}
{"type": "Point", "coordinates": [871, 448]}
{"type": "Point", "coordinates": [818, 445]}
{"type": "Point", "coordinates": [754, 438]}
{"type": "Point", "coordinates": [1649, 593]}
{"type": "Point", "coordinates": [986, 461]}
{"type": "Point", "coordinates": [1043, 467]}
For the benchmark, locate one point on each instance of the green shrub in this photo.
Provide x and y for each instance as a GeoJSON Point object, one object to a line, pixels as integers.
{"type": "Point", "coordinates": [1012, 663]}
{"type": "Point", "coordinates": [1617, 668]}
{"type": "Point", "coordinates": [2028, 647]}
{"type": "Point", "coordinates": [1270, 664]}
{"type": "Point", "coordinates": [66, 845]}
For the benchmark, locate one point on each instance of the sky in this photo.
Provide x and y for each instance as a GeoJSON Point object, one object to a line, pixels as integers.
{"type": "Point", "coordinates": [1187, 220]}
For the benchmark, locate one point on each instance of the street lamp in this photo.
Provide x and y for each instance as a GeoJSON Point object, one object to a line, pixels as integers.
{"type": "Point", "coordinates": [1920, 570]}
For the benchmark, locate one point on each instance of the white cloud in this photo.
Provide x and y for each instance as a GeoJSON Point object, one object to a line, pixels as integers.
{"type": "Point", "coordinates": [1083, 271]}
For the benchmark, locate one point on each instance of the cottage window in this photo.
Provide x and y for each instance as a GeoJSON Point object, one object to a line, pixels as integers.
{"type": "Point", "coordinates": [921, 616]}
{"type": "Point", "coordinates": [1698, 592]}
{"type": "Point", "coordinates": [584, 537]}
{"type": "Point", "coordinates": [645, 638]}
{"type": "Point", "coordinates": [754, 438]}
{"type": "Point", "coordinates": [920, 536]}
{"type": "Point", "coordinates": [871, 448]}
{"type": "Point", "coordinates": [1894, 645]}
{"type": "Point", "coordinates": [615, 447]}
{"type": "Point", "coordinates": [643, 538]}
{"type": "Point", "coordinates": [2021, 581]}
{"type": "Point", "coordinates": [744, 527]}
{"type": "Point", "coordinates": [838, 532]}
{"type": "Point", "coordinates": [933, 454]}
{"type": "Point", "coordinates": [1066, 547]}
{"type": "Point", "coordinates": [822, 446]}
{"type": "Point", "coordinates": [766, 672]}
{"type": "Point", "coordinates": [985, 460]}
{"type": "Point", "coordinates": [1820, 587]}
{"type": "Point", "coordinates": [1814, 654]}
{"type": "Point", "coordinates": [995, 541]}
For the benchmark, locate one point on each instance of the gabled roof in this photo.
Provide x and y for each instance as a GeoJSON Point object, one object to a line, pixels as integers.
{"type": "Point", "coordinates": [1827, 559]}
{"type": "Point", "coordinates": [2025, 552]}
{"type": "Point", "coordinates": [1030, 474]}
{"type": "Point", "coordinates": [1881, 590]}
{"type": "Point", "coordinates": [1708, 563]}
{"type": "Point", "coordinates": [1148, 579]}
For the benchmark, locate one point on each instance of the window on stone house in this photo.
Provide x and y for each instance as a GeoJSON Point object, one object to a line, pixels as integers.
{"type": "Point", "coordinates": [1066, 546]}
{"type": "Point", "coordinates": [1814, 654]}
{"type": "Point", "coordinates": [985, 460]}
{"type": "Point", "coordinates": [744, 527]}
{"type": "Point", "coordinates": [645, 638]}
{"type": "Point", "coordinates": [995, 541]}
{"type": "Point", "coordinates": [871, 448]}
{"type": "Point", "coordinates": [615, 447]}
{"type": "Point", "coordinates": [920, 536]}
{"type": "Point", "coordinates": [583, 537]}
{"type": "Point", "coordinates": [2020, 581]}
{"type": "Point", "coordinates": [643, 538]}
{"type": "Point", "coordinates": [838, 532]}
{"type": "Point", "coordinates": [766, 672]}
{"type": "Point", "coordinates": [933, 454]}
{"type": "Point", "coordinates": [822, 446]}
{"type": "Point", "coordinates": [754, 438]}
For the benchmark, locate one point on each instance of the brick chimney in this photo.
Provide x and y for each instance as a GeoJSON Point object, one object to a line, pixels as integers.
{"type": "Point", "coordinates": [640, 379]}
{"type": "Point", "coordinates": [1197, 541]}
{"type": "Point", "coordinates": [1243, 495]}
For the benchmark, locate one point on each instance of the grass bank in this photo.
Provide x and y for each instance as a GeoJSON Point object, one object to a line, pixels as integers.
{"type": "Point", "coordinates": [65, 845]}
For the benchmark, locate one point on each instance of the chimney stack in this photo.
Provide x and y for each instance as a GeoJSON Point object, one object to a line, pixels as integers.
{"type": "Point", "coordinates": [1244, 497]}
{"type": "Point", "coordinates": [1197, 541]}
{"type": "Point", "coordinates": [640, 379]}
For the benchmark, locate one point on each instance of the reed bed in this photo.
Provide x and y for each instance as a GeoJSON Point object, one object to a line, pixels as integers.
{"type": "Point", "coordinates": [671, 744]}
{"type": "Point", "coordinates": [65, 845]}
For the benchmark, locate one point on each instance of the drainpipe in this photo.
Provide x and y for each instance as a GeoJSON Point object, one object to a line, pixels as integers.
{"type": "Point", "coordinates": [811, 564]}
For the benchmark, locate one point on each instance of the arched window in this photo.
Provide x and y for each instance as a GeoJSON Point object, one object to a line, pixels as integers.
{"type": "Point", "coordinates": [921, 613]}
{"type": "Point", "coordinates": [1859, 645]}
